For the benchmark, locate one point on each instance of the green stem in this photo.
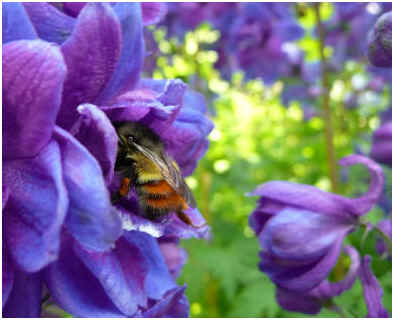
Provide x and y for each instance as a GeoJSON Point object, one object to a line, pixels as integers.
{"type": "Point", "coordinates": [328, 127]}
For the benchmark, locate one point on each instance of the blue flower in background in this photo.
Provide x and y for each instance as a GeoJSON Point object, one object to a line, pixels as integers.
{"type": "Point", "coordinates": [60, 144]}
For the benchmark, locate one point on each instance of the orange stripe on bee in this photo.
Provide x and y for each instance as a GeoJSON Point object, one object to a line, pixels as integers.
{"type": "Point", "coordinates": [161, 187]}
{"type": "Point", "coordinates": [172, 202]}
{"type": "Point", "coordinates": [125, 187]}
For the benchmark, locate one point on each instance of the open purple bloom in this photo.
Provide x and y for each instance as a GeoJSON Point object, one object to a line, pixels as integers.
{"type": "Point", "coordinates": [381, 150]}
{"type": "Point", "coordinates": [379, 42]}
{"type": "Point", "coordinates": [311, 302]}
{"type": "Point", "coordinates": [174, 256]}
{"type": "Point", "coordinates": [301, 228]}
{"type": "Point", "coordinates": [92, 271]}
{"type": "Point", "coordinates": [372, 291]}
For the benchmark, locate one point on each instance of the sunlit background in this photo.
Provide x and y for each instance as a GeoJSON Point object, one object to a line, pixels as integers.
{"type": "Point", "coordinates": [257, 139]}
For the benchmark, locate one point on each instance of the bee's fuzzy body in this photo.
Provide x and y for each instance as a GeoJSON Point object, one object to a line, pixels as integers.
{"type": "Point", "coordinates": [143, 164]}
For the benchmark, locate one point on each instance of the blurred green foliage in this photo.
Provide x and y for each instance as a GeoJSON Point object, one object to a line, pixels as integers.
{"type": "Point", "coordinates": [256, 139]}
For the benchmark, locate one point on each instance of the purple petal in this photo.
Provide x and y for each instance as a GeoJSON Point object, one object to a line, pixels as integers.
{"type": "Point", "coordinates": [363, 204]}
{"type": "Point", "coordinates": [298, 277]}
{"type": "Point", "coordinates": [153, 12]}
{"type": "Point", "coordinates": [36, 208]}
{"type": "Point", "coordinates": [8, 276]}
{"type": "Point", "coordinates": [158, 280]}
{"type": "Point", "coordinates": [310, 198]}
{"type": "Point", "coordinates": [25, 298]}
{"type": "Point", "coordinates": [121, 272]}
{"type": "Point", "coordinates": [5, 194]}
{"type": "Point", "coordinates": [381, 149]}
{"type": "Point", "coordinates": [379, 42]}
{"type": "Point", "coordinates": [129, 65]}
{"type": "Point", "coordinates": [73, 8]}
{"type": "Point", "coordinates": [91, 54]}
{"type": "Point", "coordinates": [74, 288]}
{"type": "Point", "coordinates": [173, 305]}
{"type": "Point", "coordinates": [327, 290]}
{"type": "Point", "coordinates": [297, 301]}
{"type": "Point", "coordinates": [372, 290]}
{"type": "Point", "coordinates": [174, 256]}
{"type": "Point", "coordinates": [90, 219]}
{"type": "Point", "coordinates": [171, 226]}
{"type": "Point", "coordinates": [33, 75]}
{"type": "Point", "coordinates": [16, 23]}
{"type": "Point", "coordinates": [186, 140]}
{"type": "Point", "coordinates": [300, 235]}
{"type": "Point", "coordinates": [95, 131]}
{"type": "Point", "coordinates": [51, 24]}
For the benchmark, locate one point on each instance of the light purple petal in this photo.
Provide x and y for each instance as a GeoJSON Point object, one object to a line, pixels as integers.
{"type": "Point", "coordinates": [16, 23]}
{"type": "Point", "coordinates": [25, 298]}
{"type": "Point", "coordinates": [300, 277]}
{"type": "Point", "coordinates": [90, 218]}
{"type": "Point", "coordinates": [173, 305]}
{"type": "Point", "coordinates": [95, 131]}
{"type": "Point", "coordinates": [158, 280]}
{"type": "Point", "coordinates": [74, 288]}
{"type": "Point", "coordinates": [7, 276]}
{"type": "Point", "coordinates": [153, 12]}
{"type": "Point", "coordinates": [372, 290]}
{"type": "Point", "coordinates": [300, 235]}
{"type": "Point", "coordinates": [174, 256]}
{"type": "Point", "coordinates": [33, 75]}
{"type": "Point", "coordinates": [36, 208]}
{"type": "Point", "coordinates": [51, 24]}
{"type": "Point", "coordinates": [91, 54]}
{"type": "Point", "coordinates": [129, 65]}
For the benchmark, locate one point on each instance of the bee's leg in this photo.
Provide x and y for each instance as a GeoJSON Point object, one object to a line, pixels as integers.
{"type": "Point", "coordinates": [123, 191]}
{"type": "Point", "coordinates": [185, 218]}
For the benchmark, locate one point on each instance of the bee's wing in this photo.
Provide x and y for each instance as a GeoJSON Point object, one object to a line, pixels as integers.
{"type": "Point", "coordinates": [171, 173]}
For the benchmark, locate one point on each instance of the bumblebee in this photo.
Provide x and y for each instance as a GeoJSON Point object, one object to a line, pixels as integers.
{"type": "Point", "coordinates": [143, 163]}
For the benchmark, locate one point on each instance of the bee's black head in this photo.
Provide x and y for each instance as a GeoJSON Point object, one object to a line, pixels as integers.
{"type": "Point", "coordinates": [132, 132]}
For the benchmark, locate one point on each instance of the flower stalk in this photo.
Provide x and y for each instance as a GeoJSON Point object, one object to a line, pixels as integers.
{"type": "Point", "coordinates": [327, 115]}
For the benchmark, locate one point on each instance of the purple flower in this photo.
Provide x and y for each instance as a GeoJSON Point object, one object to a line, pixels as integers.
{"type": "Point", "coordinates": [379, 42]}
{"type": "Point", "coordinates": [349, 23]}
{"type": "Point", "coordinates": [67, 165]}
{"type": "Point", "coordinates": [301, 228]}
{"type": "Point", "coordinates": [252, 34]}
{"type": "Point", "coordinates": [372, 290]}
{"type": "Point", "coordinates": [174, 256]}
{"type": "Point", "coordinates": [381, 150]}
{"type": "Point", "coordinates": [311, 302]}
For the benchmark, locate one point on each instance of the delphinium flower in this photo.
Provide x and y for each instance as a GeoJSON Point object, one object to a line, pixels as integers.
{"type": "Point", "coordinates": [349, 23]}
{"type": "Point", "coordinates": [379, 42]}
{"type": "Point", "coordinates": [95, 272]}
{"type": "Point", "coordinates": [381, 149]}
{"type": "Point", "coordinates": [252, 35]}
{"type": "Point", "coordinates": [301, 230]}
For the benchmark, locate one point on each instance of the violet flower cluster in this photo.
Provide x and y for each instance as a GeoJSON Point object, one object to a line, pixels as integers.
{"type": "Point", "coordinates": [252, 35]}
{"type": "Point", "coordinates": [68, 72]}
{"type": "Point", "coordinates": [301, 230]}
{"type": "Point", "coordinates": [379, 54]}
